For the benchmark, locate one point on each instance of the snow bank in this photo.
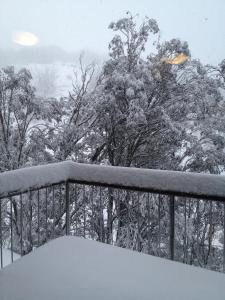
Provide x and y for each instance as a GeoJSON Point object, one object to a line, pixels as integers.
{"type": "Point", "coordinates": [159, 181]}
{"type": "Point", "coordinates": [72, 268]}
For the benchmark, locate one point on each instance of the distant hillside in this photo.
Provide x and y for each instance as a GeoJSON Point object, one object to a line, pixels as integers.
{"type": "Point", "coordinates": [45, 55]}
{"type": "Point", "coordinates": [55, 79]}
{"type": "Point", "coordinates": [52, 68]}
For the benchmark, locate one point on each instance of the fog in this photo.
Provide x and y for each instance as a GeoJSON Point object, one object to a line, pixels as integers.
{"type": "Point", "coordinates": [72, 25]}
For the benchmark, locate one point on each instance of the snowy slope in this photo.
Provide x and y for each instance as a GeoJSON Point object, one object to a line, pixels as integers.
{"type": "Point", "coordinates": [71, 268]}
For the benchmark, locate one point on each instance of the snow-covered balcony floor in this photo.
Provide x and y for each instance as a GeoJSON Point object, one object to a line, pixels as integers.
{"type": "Point", "coordinates": [71, 268]}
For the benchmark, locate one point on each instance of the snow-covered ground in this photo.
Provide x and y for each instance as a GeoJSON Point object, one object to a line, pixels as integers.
{"type": "Point", "coordinates": [72, 268]}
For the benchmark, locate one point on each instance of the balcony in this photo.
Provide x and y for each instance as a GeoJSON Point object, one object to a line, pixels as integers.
{"type": "Point", "coordinates": [110, 205]}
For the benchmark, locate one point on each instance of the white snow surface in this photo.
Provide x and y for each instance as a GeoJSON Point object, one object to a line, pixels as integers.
{"type": "Point", "coordinates": [179, 183]}
{"type": "Point", "coordinates": [72, 268]}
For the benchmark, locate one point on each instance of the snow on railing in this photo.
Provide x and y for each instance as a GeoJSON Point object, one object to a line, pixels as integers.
{"type": "Point", "coordinates": [178, 183]}
{"type": "Point", "coordinates": [112, 205]}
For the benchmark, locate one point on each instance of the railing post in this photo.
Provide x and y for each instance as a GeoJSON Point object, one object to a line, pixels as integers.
{"type": "Point", "coordinates": [53, 210]}
{"type": "Point", "coordinates": [1, 254]}
{"type": "Point", "coordinates": [148, 207]}
{"type": "Point", "coordinates": [21, 225]}
{"type": "Point", "coordinates": [159, 219]}
{"type": "Point", "coordinates": [11, 228]}
{"type": "Point", "coordinates": [138, 224]}
{"type": "Point", "coordinates": [92, 213]}
{"type": "Point", "coordinates": [172, 225]}
{"type": "Point", "coordinates": [46, 213]}
{"type": "Point", "coordinates": [38, 216]}
{"type": "Point", "coordinates": [67, 200]}
{"type": "Point", "coordinates": [30, 220]}
{"type": "Point", "coordinates": [84, 212]}
{"type": "Point", "coordinates": [224, 237]}
{"type": "Point", "coordinates": [198, 233]}
{"type": "Point", "coordinates": [101, 215]}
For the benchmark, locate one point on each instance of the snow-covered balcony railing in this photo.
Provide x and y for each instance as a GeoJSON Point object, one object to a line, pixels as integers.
{"type": "Point", "coordinates": [158, 212]}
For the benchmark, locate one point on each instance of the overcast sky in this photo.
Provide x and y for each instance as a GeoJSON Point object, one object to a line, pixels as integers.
{"type": "Point", "coordinates": [76, 25]}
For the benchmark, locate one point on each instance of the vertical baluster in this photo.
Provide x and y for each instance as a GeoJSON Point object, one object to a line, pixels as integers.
{"type": "Point", "coordinates": [129, 214]}
{"type": "Point", "coordinates": [198, 224]}
{"type": "Point", "coordinates": [210, 229]}
{"type": "Point", "coordinates": [118, 216]}
{"type": "Point", "coordinates": [224, 237]}
{"type": "Point", "coordinates": [185, 230]}
{"type": "Point", "coordinates": [53, 211]}
{"type": "Point", "coordinates": [101, 214]}
{"type": "Point", "coordinates": [159, 222]}
{"type": "Point", "coordinates": [60, 200]}
{"type": "Point", "coordinates": [38, 216]}
{"type": "Point", "coordinates": [172, 225]}
{"type": "Point", "coordinates": [84, 212]}
{"type": "Point", "coordinates": [30, 223]}
{"type": "Point", "coordinates": [61, 208]}
{"type": "Point", "coordinates": [189, 216]}
{"type": "Point", "coordinates": [67, 200]}
{"type": "Point", "coordinates": [1, 254]}
{"type": "Point", "coordinates": [46, 213]}
{"type": "Point", "coordinates": [109, 222]}
{"type": "Point", "coordinates": [11, 228]}
{"type": "Point", "coordinates": [76, 209]}
{"type": "Point", "coordinates": [21, 224]}
{"type": "Point", "coordinates": [138, 222]}
{"type": "Point", "coordinates": [92, 212]}
{"type": "Point", "coordinates": [148, 216]}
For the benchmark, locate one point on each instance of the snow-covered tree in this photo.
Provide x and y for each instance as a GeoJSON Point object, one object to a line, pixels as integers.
{"type": "Point", "coordinates": [21, 113]}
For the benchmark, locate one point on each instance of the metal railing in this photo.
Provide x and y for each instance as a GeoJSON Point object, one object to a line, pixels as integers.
{"type": "Point", "coordinates": [157, 212]}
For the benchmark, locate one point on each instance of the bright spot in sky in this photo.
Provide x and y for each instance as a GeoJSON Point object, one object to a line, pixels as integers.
{"type": "Point", "coordinates": [25, 38]}
{"type": "Point", "coordinates": [179, 59]}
